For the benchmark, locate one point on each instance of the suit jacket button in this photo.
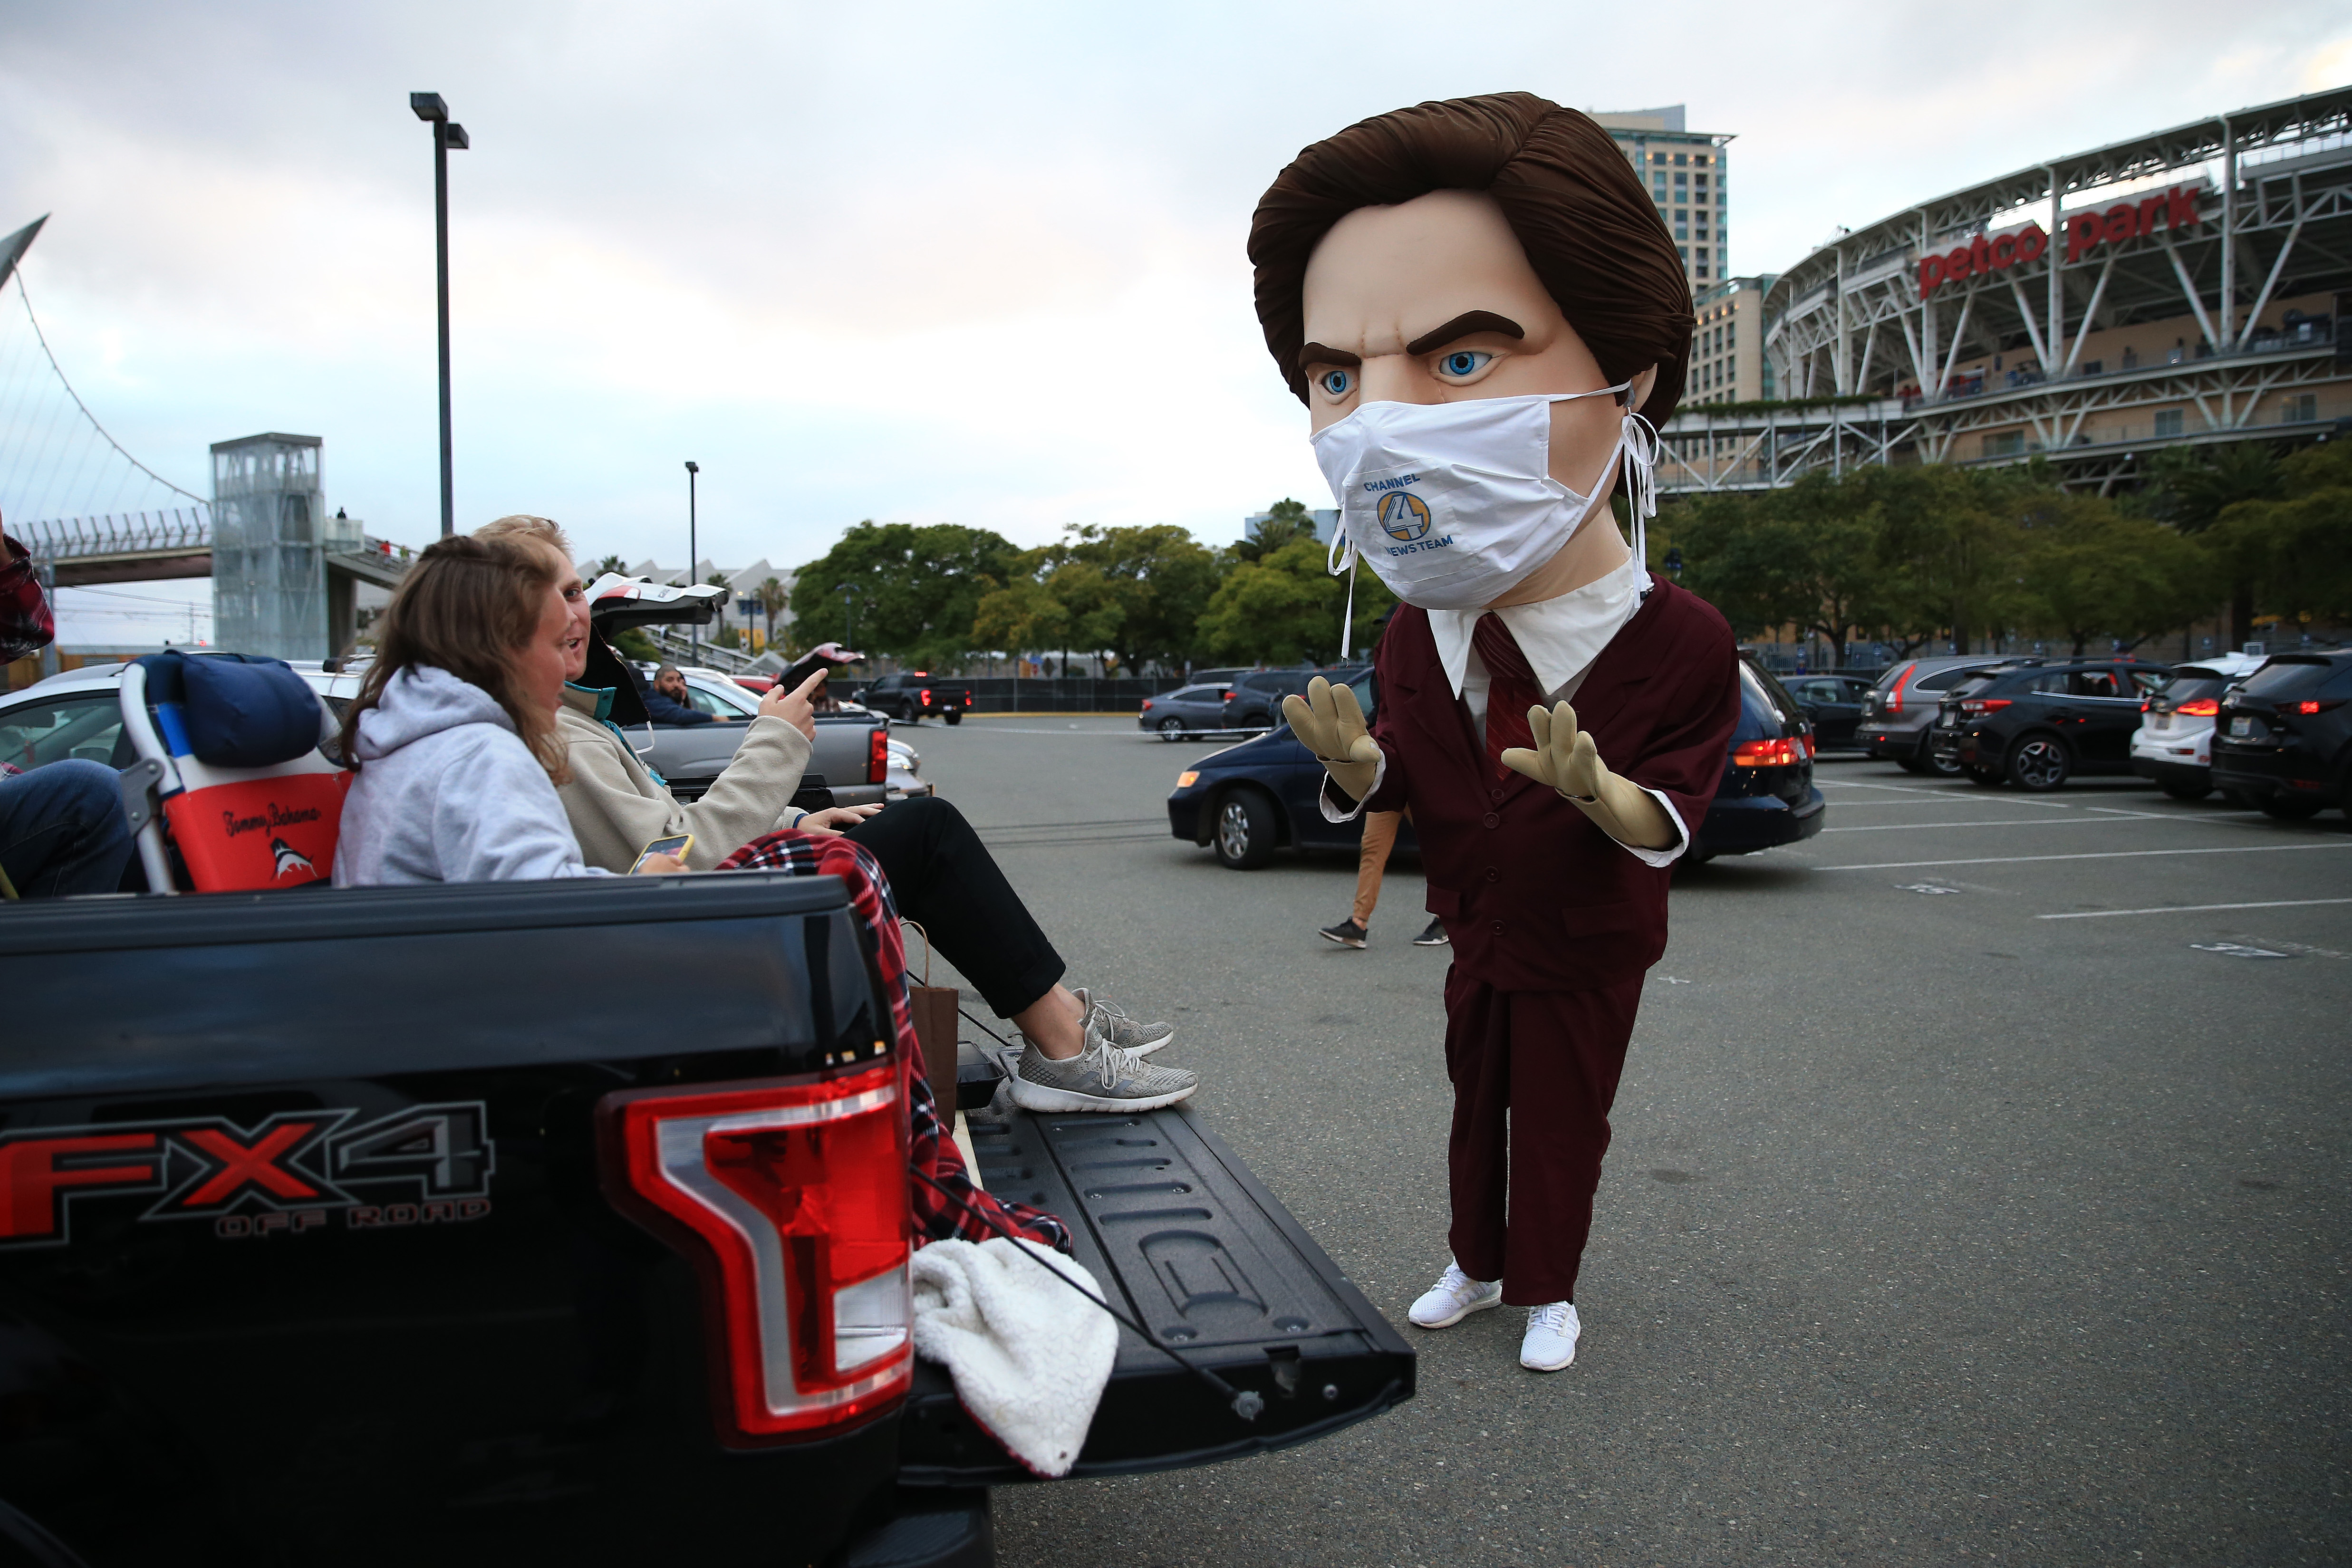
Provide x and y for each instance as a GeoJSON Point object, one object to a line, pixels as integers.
{"type": "Point", "coordinates": [1494, 875]}
{"type": "Point", "coordinates": [1499, 929]}
{"type": "Point", "coordinates": [1492, 819]}
{"type": "Point", "coordinates": [1496, 796]}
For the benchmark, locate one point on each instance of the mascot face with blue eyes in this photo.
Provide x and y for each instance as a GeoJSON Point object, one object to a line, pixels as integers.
{"type": "Point", "coordinates": [1495, 252]}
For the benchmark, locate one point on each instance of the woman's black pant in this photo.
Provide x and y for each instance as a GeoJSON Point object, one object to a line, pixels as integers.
{"type": "Point", "coordinates": [943, 879]}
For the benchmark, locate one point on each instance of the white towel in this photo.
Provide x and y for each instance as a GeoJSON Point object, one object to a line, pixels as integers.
{"type": "Point", "coordinates": [1029, 1354]}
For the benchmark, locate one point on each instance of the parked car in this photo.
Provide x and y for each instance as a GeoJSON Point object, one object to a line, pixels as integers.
{"type": "Point", "coordinates": [1249, 800]}
{"type": "Point", "coordinates": [851, 753]}
{"type": "Point", "coordinates": [1187, 710]}
{"type": "Point", "coordinates": [1832, 704]}
{"type": "Point", "coordinates": [2283, 739]}
{"type": "Point", "coordinates": [2173, 743]}
{"type": "Point", "coordinates": [2038, 725]}
{"type": "Point", "coordinates": [1257, 699]}
{"type": "Point", "coordinates": [914, 695]}
{"type": "Point", "coordinates": [1900, 711]}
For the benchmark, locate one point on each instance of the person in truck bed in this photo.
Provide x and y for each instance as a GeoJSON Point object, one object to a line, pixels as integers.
{"type": "Point", "coordinates": [454, 742]}
{"type": "Point", "coordinates": [1080, 1052]}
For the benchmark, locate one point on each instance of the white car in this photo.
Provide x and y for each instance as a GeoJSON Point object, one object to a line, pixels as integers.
{"type": "Point", "coordinates": [2173, 743]}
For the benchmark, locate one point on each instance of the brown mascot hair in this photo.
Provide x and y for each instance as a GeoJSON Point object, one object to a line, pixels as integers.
{"type": "Point", "coordinates": [1579, 211]}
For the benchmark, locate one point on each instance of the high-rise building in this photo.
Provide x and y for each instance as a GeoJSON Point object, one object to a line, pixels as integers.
{"type": "Point", "coordinates": [1727, 361]}
{"type": "Point", "coordinates": [1684, 171]}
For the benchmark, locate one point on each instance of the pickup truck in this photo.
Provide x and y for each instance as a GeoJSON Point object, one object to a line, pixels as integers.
{"type": "Point", "coordinates": [914, 695]}
{"type": "Point", "coordinates": [328, 1233]}
{"type": "Point", "coordinates": [851, 754]}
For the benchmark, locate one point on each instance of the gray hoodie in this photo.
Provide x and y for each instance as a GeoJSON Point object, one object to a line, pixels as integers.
{"type": "Point", "coordinates": [447, 792]}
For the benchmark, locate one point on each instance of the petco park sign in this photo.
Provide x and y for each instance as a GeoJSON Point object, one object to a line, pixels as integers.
{"type": "Point", "coordinates": [2085, 231]}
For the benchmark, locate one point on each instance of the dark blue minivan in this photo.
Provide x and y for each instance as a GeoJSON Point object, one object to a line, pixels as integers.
{"type": "Point", "coordinates": [1248, 801]}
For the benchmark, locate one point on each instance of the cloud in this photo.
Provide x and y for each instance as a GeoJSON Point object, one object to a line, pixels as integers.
{"type": "Point", "coordinates": [932, 261]}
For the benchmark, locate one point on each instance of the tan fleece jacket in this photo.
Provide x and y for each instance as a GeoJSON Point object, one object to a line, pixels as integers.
{"type": "Point", "coordinates": [616, 808]}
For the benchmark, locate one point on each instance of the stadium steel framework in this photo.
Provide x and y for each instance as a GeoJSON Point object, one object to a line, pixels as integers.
{"type": "Point", "coordinates": [2186, 288]}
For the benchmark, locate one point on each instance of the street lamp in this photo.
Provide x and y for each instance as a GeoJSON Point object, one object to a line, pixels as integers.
{"type": "Point", "coordinates": [693, 564]}
{"type": "Point", "coordinates": [849, 615]}
{"type": "Point", "coordinates": [447, 134]}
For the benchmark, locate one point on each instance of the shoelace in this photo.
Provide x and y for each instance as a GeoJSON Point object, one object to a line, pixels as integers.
{"type": "Point", "coordinates": [1552, 1317]}
{"type": "Point", "coordinates": [1116, 1063]}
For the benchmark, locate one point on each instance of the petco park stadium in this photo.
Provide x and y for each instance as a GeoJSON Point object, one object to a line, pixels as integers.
{"type": "Point", "coordinates": [2182, 288]}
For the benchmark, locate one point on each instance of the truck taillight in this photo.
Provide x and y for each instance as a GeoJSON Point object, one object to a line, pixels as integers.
{"type": "Point", "coordinates": [878, 755]}
{"type": "Point", "coordinates": [925, 697]}
{"type": "Point", "coordinates": [790, 1201]}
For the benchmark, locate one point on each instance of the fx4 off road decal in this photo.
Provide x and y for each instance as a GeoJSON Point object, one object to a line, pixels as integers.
{"type": "Point", "coordinates": [426, 1164]}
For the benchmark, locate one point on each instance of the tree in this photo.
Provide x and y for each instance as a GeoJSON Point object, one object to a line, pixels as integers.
{"type": "Point", "coordinates": [772, 599]}
{"type": "Point", "coordinates": [1287, 523]}
{"type": "Point", "coordinates": [612, 565]}
{"type": "Point", "coordinates": [2091, 570]}
{"type": "Point", "coordinates": [1283, 608]}
{"type": "Point", "coordinates": [1022, 614]}
{"type": "Point", "coordinates": [917, 587]}
{"type": "Point", "coordinates": [1138, 591]}
{"type": "Point", "coordinates": [2191, 488]}
{"type": "Point", "coordinates": [2295, 553]}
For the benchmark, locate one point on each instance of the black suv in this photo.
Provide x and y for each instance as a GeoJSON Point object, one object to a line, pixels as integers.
{"type": "Point", "coordinates": [2037, 724]}
{"type": "Point", "coordinates": [1256, 702]}
{"type": "Point", "coordinates": [2283, 739]}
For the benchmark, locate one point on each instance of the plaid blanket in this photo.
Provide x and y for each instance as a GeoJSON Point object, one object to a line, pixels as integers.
{"type": "Point", "coordinates": [939, 1217]}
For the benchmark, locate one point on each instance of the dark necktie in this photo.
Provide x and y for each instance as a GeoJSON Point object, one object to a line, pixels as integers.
{"type": "Point", "coordinates": [1511, 692]}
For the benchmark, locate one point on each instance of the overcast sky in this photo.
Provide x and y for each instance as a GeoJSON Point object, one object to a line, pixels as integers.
{"type": "Point", "coordinates": [926, 261]}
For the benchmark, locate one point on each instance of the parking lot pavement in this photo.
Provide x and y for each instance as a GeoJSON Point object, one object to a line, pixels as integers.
{"type": "Point", "coordinates": [1978, 1192]}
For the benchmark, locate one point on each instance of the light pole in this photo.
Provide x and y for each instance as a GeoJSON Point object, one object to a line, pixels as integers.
{"type": "Point", "coordinates": [693, 564]}
{"type": "Point", "coordinates": [446, 135]}
{"type": "Point", "coordinates": [849, 614]}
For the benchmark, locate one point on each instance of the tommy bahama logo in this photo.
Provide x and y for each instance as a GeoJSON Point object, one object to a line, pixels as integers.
{"type": "Point", "coordinates": [271, 816]}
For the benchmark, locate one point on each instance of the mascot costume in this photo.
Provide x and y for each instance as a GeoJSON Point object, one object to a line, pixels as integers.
{"type": "Point", "coordinates": [1485, 318]}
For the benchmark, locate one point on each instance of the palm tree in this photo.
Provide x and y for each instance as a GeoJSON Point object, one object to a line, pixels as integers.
{"type": "Point", "coordinates": [612, 564]}
{"type": "Point", "coordinates": [772, 599]}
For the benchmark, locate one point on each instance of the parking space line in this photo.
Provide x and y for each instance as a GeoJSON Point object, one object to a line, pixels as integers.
{"type": "Point", "coordinates": [2092, 855]}
{"type": "Point", "coordinates": [2193, 908]}
{"type": "Point", "coordinates": [2013, 822]}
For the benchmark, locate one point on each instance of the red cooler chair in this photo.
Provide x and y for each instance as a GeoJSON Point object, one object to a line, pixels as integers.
{"type": "Point", "coordinates": [229, 773]}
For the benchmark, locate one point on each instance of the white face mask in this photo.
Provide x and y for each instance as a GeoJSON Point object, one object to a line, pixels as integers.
{"type": "Point", "coordinates": [1454, 504]}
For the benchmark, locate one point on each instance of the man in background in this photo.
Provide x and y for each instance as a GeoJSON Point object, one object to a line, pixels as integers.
{"type": "Point", "coordinates": [62, 830]}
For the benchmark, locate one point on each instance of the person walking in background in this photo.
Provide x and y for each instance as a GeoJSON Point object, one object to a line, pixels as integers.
{"type": "Point", "coordinates": [1372, 866]}
{"type": "Point", "coordinates": [62, 830]}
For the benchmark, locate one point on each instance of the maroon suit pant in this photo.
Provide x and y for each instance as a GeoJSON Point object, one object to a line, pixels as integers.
{"type": "Point", "coordinates": [1535, 1073]}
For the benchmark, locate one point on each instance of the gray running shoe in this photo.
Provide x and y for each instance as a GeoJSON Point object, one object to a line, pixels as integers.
{"type": "Point", "coordinates": [1100, 1078]}
{"type": "Point", "coordinates": [1123, 1033]}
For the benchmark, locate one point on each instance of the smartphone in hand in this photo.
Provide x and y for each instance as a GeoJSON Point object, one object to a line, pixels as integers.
{"type": "Point", "coordinates": [668, 844]}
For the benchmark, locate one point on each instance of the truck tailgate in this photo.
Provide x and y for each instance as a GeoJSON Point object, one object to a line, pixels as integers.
{"type": "Point", "coordinates": [1192, 1247]}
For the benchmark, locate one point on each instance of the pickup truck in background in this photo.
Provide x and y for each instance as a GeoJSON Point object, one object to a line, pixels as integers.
{"type": "Point", "coordinates": [851, 754]}
{"type": "Point", "coordinates": [407, 1225]}
{"type": "Point", "coordinates": [914, 695]}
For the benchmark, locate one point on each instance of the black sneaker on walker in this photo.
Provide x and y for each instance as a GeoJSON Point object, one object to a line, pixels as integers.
{"type": "Point", "coordinates": [1348, 934]}
{"type": "Point", "coordinates": [1433, 934]}
{"type": "Point", "coordinates": [1100, 1078]}
{"type": "Point", "coordinates": [1123, 1033]}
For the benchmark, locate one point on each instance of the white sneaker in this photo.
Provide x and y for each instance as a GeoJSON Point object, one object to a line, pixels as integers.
{"type": "Point", "coordinates": [1454, 1297]}
{"type": "Point", "coordinates": [1550, 1341]}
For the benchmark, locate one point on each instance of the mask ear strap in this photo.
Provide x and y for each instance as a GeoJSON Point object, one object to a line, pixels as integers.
{"type": "Point", "coordinates": [1341, 551]}
{"type": "Point", "coordinates": [1347, 616]}
{"type": "Point", "coordinates": [1639, 439]}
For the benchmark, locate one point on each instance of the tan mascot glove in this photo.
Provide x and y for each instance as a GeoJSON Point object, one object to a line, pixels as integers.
{"type": "Point", "coordinates": [1329, 722]}
{"type": "Point", "coordinates": [1565, 758]}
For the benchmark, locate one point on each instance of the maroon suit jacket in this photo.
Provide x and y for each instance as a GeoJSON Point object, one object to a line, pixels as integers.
{"type": "Point", "coordinates": [1534, 895]}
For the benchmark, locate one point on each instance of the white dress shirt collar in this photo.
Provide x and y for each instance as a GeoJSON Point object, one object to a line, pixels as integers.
{"type": "Point", "coordinates": [1560, 636]}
